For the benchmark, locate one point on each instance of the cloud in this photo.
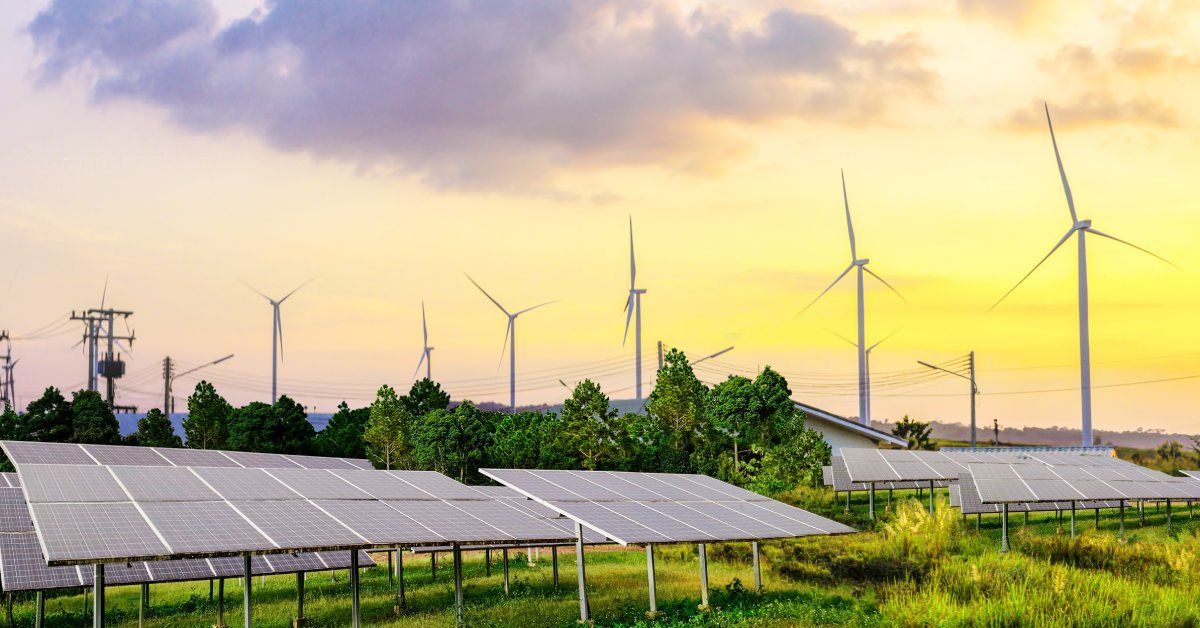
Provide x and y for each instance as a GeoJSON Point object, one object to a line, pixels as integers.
{"type": "Point", "coordinates": [1009, 12]}
{"type": "Point", "coordinates": [1093, 109]}
{"type": "Point", "coordinates": [493, 94]}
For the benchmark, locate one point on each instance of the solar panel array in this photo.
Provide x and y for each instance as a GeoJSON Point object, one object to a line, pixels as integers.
{"type": "Point", "coordinates": [841, 480]}
{"type": "Point", "coordinates": [88, 512]}
{"type": "Point", "coordinates": [641, 508]}
{"type": "Point", "coordinates": [967, 496]}
{"type": "Point", "coordinates": [27, 452]}
{"type": "Point", "coordinates": [903, 465]}
{"type": "Point", "coordinates": [22, 567]}
{"type": "Point", "coordinates": [1096, 479]}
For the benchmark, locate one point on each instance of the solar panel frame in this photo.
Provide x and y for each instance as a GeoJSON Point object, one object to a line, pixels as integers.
{"type": "Point", "coordinates": [71, 483]}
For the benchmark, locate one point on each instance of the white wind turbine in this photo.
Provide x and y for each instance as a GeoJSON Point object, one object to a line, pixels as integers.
{"type": "Point", "coordinates": [277, 333]}
{"type": "Point", "coordinates": [1080, 228]}
{"type": "Point", "coordinates": [426, 350]}
{"type": "Point", "coordinates": [633, 310]}
{"type": "Point", "coordinates": [860, 265]}
{"type": "Point", "coordinates": [509, 331]}
{"type": "Point", "coordinates": [868, 353]}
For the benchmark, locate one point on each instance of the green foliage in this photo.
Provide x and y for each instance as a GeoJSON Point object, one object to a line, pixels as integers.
{"type": "Point", "coordinates": [155, 430]}
{"type": "Point", "coordinates": [915, 432]}
{"type": "Point", "coordinates": [388, 430]}
{"type": "Point", "coordinates": [530, 440]}
{"type": "Point", "coordinates": [679, 397]}
{"type": "Point", "coordinates": [343, 435]}
{"type": "Point", "coordinates": [735, 408]}
{"type": "Point", "coordinates": [424, 397]}
{"type": "Point", "coordinates": [453, 442]}
{"type": "Point", "coordinates": [47, 419]}
{"type": "Point", "coordinates": [10, 426]}
{"type": "Point", "coordinates": [207, 422]}
{"type": "Point", "coordinates": [588, 427]}
{"type": "Point", "coordinates": [92, 421]}
{"type": "Point", "coordinates": [282, 428]}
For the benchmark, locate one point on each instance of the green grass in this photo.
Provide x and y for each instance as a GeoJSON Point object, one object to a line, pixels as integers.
{"type": "Point", "coordinates": [908, 569]}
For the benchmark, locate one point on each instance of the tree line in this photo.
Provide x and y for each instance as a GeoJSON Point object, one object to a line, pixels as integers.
{"type": "Point", "coordinates": [745, 431]}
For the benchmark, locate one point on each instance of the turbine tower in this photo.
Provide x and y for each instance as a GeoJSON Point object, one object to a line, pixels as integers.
{"type": "Point", "coordinates": [860, 266]}
{"type": "Point", "coordinates": [868, 353]}
{"type": "Point", "coordinates": [633, 310]}
{"type": "Point", "coordinates": [1080, 228]}
{"type": "Point", "coordinates": [276, 333]}
{"type": "Point", "coordinates": [426, 350]}
{"type": "Point", "coordinates": [509, 331]}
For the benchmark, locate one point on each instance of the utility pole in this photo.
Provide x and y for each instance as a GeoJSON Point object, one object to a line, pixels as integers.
{"type": "Point", "coordinates": [169, 377]}
{"type": "Point", "coordinates": [100, 325]}
{"type": "Point", "coordinates": [970, 377]}
{"type": "Point", "coordinates": [660, 355]}
{"type": "Point", "coordinates": [996, 432]}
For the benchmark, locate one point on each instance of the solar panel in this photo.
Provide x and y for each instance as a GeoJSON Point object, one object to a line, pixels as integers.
{"type": "Point", "coordinates": [317, 484]}
{"type": "Point", "coordinates": [511, 522]}
{"type": "Point", "coordinates": [24, 452]}
{"type": "Point", "coordinates": [14, 514]}
{"type": "Point", "coordinates": [298, 524]}
{"type": "Point", "coordinates": [245, 484]}
{"type": "Point", "coordinates": [663, 508]}
{"type": "Point", "coordinates": [827, 475]}
{"type": "Point", "coordinates": [380, 523]}
{"type": "Point", "coordinates": [180, 570]}
{"type": "Point", "coordinates": [22, 566]}
{"type": "Point", "coordinates": [112, 455]}
{"type": "Point", "coordinates": [71, 483]}
{"type": "Point", "coordinates": [319, 462]}
{"type": "Point", "coordinates": [255, 460]}
{"type": "Point", "coordinates": [196, 457]}
{"type": "Point", "coordinates": [382, 485]}
{"type": "Point", "coordinates": [88, 533]}
{"type": "Point", "coordinates": [437, 485]}
{"type": "Point", "coordinates": [163, 484]}
{"type": "Point", "coordinates": [450, 521]}
{"type": "Point", "coordinates": [203, 527]}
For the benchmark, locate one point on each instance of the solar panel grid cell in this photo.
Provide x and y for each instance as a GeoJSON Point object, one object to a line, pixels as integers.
{"type": "Point", "coordinates": [196, 457]}
{"type": "Point", "coordinates": [437, 485]}
{"type": "Point", "coordinates": [449, 521]}
{"type": "Point", "coordinates": [23, 568]}
{"type": "Point", "coordinates": [23, 452]}
{"type": "Point", "coordinates": [199, 527]}
{"type": "Point", "coordinates": [255, 460]}
{"type": "Point", "coordinates": [381, 523]}
{"type": "Point", "coordinates": [126, 455]}
{"type": "Point", "coordinates": [159, 484]}
{"type": "Point", "coordinates": [236, 484]}
{"type": "Point", "coordinates": [298, 524]}
{"type": "Point", "coordinates": [91, 532]}
{"type": "Point", "coordinates": [71, 483]}
{"type": "Point", "coordinates": [317, 484]}
{"type": "Point", "coordinates": [382, 485]}
{"type": "Point", "coordinates": [14, 513]}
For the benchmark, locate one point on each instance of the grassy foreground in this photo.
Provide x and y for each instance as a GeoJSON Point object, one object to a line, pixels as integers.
{"type": "Point", "coordinates": [912, 569]}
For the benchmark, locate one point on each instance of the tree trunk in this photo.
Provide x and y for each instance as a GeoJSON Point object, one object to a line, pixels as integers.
{"type": "Point", "coordinates": [735, 455]}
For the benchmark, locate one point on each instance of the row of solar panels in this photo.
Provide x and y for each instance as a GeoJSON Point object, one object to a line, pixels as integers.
{"type": "Point", "coordinates": [89, 508]}
{"type": "Point", "coordinates": [1018, 478]}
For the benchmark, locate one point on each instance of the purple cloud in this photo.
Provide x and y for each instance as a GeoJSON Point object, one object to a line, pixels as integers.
{"type": "Point", "coordinates": [496, 94]}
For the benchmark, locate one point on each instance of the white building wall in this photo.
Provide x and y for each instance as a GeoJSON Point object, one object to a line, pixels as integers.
{"type": "Point", "coordinates": [839, 437]}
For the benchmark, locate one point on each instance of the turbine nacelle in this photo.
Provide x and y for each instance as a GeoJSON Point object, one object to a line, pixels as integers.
{"type": "Point", "coordinates": [1082, 224]}
{"type": "Point", "coordinates": [860, 262]}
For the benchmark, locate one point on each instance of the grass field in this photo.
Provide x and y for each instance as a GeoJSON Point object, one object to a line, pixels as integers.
{"type": "Point", "coordinates": [911, 569]}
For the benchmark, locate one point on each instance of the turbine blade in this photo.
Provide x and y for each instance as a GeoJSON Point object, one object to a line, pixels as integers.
{"type": "Point", "coordinates": [424, 352]}
{"type": "Point", "coordinates": [507, 329]}
{"type": "Point", "coordinates": [256, 291]}
{"type": "Point", "coordinates": [534, 307]}
{"type": "Point", "coordinates": [424, 326]}
{"type": "Point", "coordinates": [852, 343]}
{"type": "Point", "coordinates": [485, 293]}
{"type": "Point", "coordinates": [104, 294]}
{"type": "Point", "coordinates": [881, 280]}
{"type": "Point", "coordinates": [1061, 172]}
{"type": "Point", "coordinates": [1069, 233]}
{"type": "Point", "coordinates": [632, 261]}
{"type": "Point", "coordinates": [881, 340]}
{"type": "Point", "coordinates": [628, 317]}
{"type": "Point", "coordinates": [710, 356]}
{"type": "Point", "coordinates": [827, 289]}
{"type": "Point", "coordinates": [1127, 243]}
{"type": "Point", "coordinates": [296, 289]}
{"type": "Point", "coordinates": [849, 223]}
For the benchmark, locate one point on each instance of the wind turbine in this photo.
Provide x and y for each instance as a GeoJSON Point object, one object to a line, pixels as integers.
{"type": "Point", "coordinates": [1080, 228]}
{"type": "Point", "coordinates": [426, 350]}
{"type": "Point", "coordinates": [633, 310]}
{"type": "Point", "coordinates": [276, 333]}
{"type": "Point", "coordinates": [510, 330]}
{"type": "Point", "coordinates": [860, 266]}
{"type": "Point", "coordinates": [868, 353]}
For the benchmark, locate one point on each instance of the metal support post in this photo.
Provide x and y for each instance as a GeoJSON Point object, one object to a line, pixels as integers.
{"type": "Point", "coordinates": [401, 604]}
{"type": "Point", "coordinates": [432, 566]}
{"type": "Point", "coordinates": [1004, 528]}
{"type": "Point", "coordinates": [581, 575]}
{"type": "Point", "coordinates": [1072, 520]}
{"type": "Point", "coordinates": [1168, 516]}
{"type": "Point", "coordinates": [221, 604]}
{"type": "Point", "coordinates": [1122, 520]}
{"type": "Point", "coordinates": [871, 502]}
{"type": "Point", "coordinates": [391, 573]}
{"type": "Point", "coordinates": [300, 620]}
{"type": "Point", "coordinates": [247, 585]}
{"type": "Point", "coordinates": [143, 603]}
{"type": "Point", "coordinates": [931, 498]}
{"type": "Point", "coordinates": [354, 601]}
{"type": "Point", "coordinates": [653, 613]}
{"type": "Point", "coordinates": [98, 596]}
{"type": "Point", "coordinates": [758, 585]}
{"type": "Point", "coordinates": [487, 562]}
{"type": "Point", "coordinates": [703, 576]}
{"type": "Point", "coordinates": [504, 559]}
{"type": "Point", "coordinates": [458, 589]}
{"type": "Point", "coordinates": [554, 563]}
{"type": "Point", "coordinates": [39, 616]}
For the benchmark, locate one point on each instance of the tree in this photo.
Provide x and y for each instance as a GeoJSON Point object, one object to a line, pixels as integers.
{"type": "Point", "coordinates": [796, 458]}
{"type": "Point", "coordinates": [47, 419]}
{"type": "Point", "coordinates": [155, 430]}
{"type": "Point", "coordinates": [10, 426]}
{"type": "Point", "coordinates": [387, 429]}
{"type": "Point", "coordinates": [424, 397]}
{"type": "Point", "coordinates": [1170, 452]}
{"type": "Point", "coordinates": [453, 442]}
{"type": "Point", "coordinates": [775, 397]}
{"type": "Point", "coordinates": [252, 428]}
{"type": "Point", "coordinates": [343, 435]}
{"type": "Point", "coordinates": [294, 432]}
{"type": "Point", "coordinates": [678, 399]}
{"type": "Point", "coordinates": [587, 428]}
{"type": "Point", "coordinates": [915, 432]}
{"type": "Point", "coordinates": [530, 440]}
{"type": "Point", "coordinates": [207, 422]}
{"type": "Point", "coordinates": [735, 408]}
{"type": "Point", "coordinates": [92, 421]}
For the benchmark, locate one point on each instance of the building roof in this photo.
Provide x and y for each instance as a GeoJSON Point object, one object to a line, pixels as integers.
{"type": "Point", "coordinates": [850, 425]}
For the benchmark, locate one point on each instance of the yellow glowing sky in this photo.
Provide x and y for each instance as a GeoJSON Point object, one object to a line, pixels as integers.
{"type": "Point", "coordinates": [954, 193]}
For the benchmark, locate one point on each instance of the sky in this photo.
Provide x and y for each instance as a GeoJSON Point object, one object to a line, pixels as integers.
{"type": "Point", "coordinates": [177, 149]}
